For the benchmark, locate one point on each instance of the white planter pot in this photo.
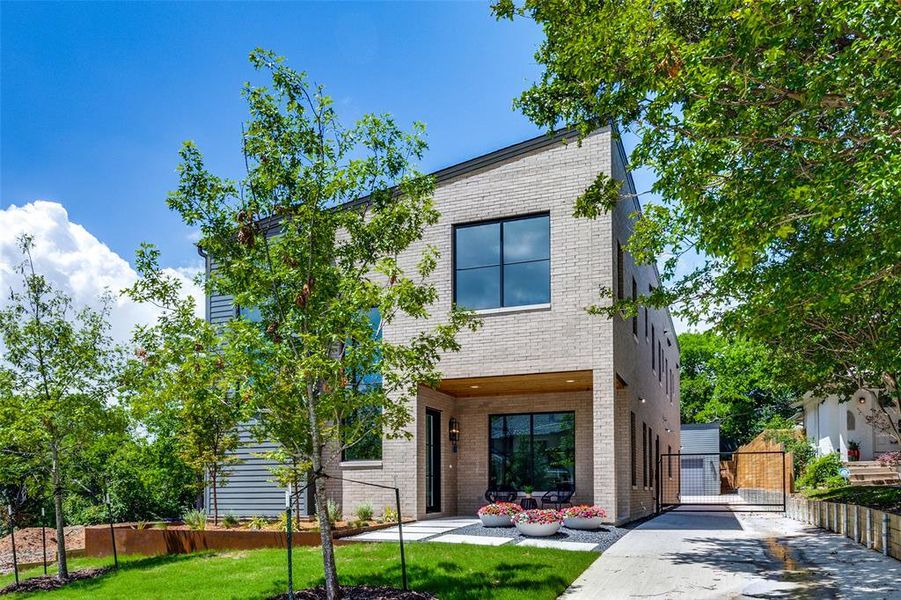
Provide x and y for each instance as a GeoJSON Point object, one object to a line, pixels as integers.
{"type": "Point", "coordinates": [582, 522]}
{"type": "Point", "coordinates": [538, 529]}
{"type": "Point", "coordinates": [496, 520]}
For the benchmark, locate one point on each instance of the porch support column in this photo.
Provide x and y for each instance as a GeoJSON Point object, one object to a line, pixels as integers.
{"type": "Point", "coordinates": [610, 458]}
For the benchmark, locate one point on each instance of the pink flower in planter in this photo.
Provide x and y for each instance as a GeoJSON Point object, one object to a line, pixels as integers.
{"type": "Point", "coordinates": [890, 459]}
{"type": "Point", "coordinates": [499, 509]}
{"type": "Point", "coordinates": [538, 516]}
{"type": "Point", "coordinates": [584, 512]}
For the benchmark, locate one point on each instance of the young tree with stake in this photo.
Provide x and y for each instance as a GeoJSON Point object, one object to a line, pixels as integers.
{"type": "Point", "coordinates": [59, 368]}
{"type": "Point", "coordinates": [310, 239]}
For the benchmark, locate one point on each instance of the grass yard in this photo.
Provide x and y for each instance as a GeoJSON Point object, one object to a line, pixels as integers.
{"type": "Point", "coordinates": [886, 498]}
{"type": "Point", "coordinates": [450, 571]}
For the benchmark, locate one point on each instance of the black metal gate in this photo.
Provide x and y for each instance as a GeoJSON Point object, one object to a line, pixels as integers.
{"type": "Point", "coordinates": [723, 481]}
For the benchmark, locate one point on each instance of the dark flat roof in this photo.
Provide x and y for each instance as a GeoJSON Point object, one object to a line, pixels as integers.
{"type": "Point", "coordinates": [701, 426]}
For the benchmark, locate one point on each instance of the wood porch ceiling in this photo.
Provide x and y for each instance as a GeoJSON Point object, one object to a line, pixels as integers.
{"type": "Point", "coordinates": [504, 385]}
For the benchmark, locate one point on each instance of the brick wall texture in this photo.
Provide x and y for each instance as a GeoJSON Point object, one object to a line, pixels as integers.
{"type": "Point", "coordinates": [562, 337]}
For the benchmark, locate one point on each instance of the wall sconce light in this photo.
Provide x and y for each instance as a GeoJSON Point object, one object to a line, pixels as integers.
{"type": "Point", "coordinates": [862, 400]}
{"type": "Point", "coordinates": [453, 432]}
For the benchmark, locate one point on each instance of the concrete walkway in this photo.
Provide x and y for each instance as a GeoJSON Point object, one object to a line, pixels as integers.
{"type": "Point", "coordinates": [724, 555]}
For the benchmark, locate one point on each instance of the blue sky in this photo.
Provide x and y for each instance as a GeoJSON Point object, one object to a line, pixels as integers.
{"type": "Point", "coordinates": [97, 98]}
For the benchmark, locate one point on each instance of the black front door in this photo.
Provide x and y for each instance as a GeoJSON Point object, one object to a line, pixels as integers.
{"type": "Point", "coordinates": [432, 460]}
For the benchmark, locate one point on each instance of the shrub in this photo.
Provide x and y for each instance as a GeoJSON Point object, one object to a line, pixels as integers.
{"type": "Point", "coordinates": [890, 459]}
{"type": "Point", "coordinates": [364, 511]}
{"type": "Point", "coordinates": [195, 520]}
{"type": "Point", "coordinates": [230, 521]}
{"type": "Point", "coordinates": [257, 522]}
{"type": "Point", "coordinates": [778, 430]}
{"type": "Point", "coordinates": [141, 525]}
{"type": "Point", "coordinates": [333, 510]}
{"type": "Point", "coordinates": [389, 515]}
{"type": "Point", "coordinates": [163, 525]}
{"type": "Point", "coordinates": [500, 509]}
{"type": "Point", "coordinates": [822, 471]}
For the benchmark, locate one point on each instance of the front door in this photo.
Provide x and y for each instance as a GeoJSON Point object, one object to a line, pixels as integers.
{"type": "Point", "coordinates": [432, 460]}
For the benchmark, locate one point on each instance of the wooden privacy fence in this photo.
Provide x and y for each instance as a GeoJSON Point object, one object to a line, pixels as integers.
{"type": "Point", "coordinates": [750, 470]}
{"type": "Point", "coordinates": [876, 529]}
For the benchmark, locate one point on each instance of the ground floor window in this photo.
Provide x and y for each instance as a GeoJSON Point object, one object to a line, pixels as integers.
{"type": "Point", "coordinates": [362, 432]}
{"type": "Point", "coordinates": [532, 449]}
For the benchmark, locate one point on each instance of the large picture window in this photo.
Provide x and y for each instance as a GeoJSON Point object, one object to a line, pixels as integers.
{"type": "Point", "coordinates": [536, 449]}
{"type": "Point", "coordinates": [503, 263]}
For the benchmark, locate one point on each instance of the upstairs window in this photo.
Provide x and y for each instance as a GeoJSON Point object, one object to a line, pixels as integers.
{"type": "Point", "coordinates": [503, 263]}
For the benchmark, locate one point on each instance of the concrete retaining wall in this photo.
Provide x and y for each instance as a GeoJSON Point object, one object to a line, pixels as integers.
{"type": "Point", "coordinates": [875, 529]}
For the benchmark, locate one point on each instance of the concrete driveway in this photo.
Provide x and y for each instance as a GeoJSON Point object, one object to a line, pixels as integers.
{"type": "Point", "coordinates": [683, 554]}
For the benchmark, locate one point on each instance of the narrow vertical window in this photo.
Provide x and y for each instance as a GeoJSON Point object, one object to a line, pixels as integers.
{"type": "Point", "coordinates": [669, 461]}
{"type": "Point", "coordinates": [620, 272]}
{"type": "Point", "coordinates": [632, 461]}
{"type": "Point", "coordinates": [653, 350]}
{"type": "Point", "coordinates": [659, 361]}
{"type": "Point", "coordinates": [650, 457]}
{"type": "Point", "coordinates": [635, 318]}
{"type": "Point", "coordinates": [644, 454]}
{"type": "Point", "coordinates": [657, 453]}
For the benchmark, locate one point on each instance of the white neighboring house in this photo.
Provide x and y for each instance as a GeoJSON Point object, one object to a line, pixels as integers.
{"type": "Point", "coordinates": [700, 460]}
{"type": "Point", "coordinates": [831, 423]}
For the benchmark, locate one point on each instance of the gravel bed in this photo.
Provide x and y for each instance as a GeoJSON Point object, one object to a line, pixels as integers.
{"type": "Point", "coordinates": [603, 537]}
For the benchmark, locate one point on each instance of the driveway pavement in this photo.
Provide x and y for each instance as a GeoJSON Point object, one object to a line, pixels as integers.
{"type": "Point", "coordinates": [686, 555]}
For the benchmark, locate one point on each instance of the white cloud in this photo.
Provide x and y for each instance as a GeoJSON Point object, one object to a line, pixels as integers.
{"type": "Point", "coordinates": [77, 263]}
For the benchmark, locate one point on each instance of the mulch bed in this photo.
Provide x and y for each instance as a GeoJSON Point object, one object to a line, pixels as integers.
{"type": "Point", "coordinates": [50, 582]}
{"type": "Point", "coordinates": [359, 592]}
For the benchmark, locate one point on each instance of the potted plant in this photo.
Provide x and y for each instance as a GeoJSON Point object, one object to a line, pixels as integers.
{"type": "Point", "coordinates": [584, 517]}
{"type": "Point", "coordinates": [853, 450]}
{"type": "Point", "coordinates": [527, 490]}
{"type": "Point", "coordinates": [499, 514]}
{"type": "Point", "coordinates": [540, 522]}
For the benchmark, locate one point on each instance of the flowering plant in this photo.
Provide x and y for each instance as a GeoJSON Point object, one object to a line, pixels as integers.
{"type": "Point", "coordinates": [890, 459]}
{"type": "Point", "coordinates": [538, 516]}
{"type": "Point", "coordinates": [584, 512]}
{"type": "Point", "coordinates": [499, 509]}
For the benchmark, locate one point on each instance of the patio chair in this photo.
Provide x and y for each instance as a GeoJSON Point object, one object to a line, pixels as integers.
{"type": "Point", "coordinates": [502, 493]}
{"type": "Point", "coordinates": [558, 497]}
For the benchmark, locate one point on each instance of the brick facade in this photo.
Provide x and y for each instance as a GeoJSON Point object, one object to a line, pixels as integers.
{"type": "Point", "coordinates": [561, 337]}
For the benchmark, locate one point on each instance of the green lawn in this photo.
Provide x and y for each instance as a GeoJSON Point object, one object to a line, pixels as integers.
{"type": "Point", "coordinates": [874, 496]}
{"type": "Point", "coordinates": [448, 570]}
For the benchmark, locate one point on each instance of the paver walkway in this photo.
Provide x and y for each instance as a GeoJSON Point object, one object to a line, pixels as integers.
{"type": "Point", "coordinates": [698, 555]}
{"type": "Point", "coordinates": [448, 530]}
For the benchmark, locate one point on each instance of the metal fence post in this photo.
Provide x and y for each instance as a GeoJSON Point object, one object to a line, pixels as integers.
{"type": "Point", "coordinates": [112, 531]}
{"type": "Point", "coordinates": [12, 537]}
{"type": "Point", "coordinates": [870, 543]}
{"type": "Point", "coordinates": [400, 535]}
{"type": "Point", "coordinates": [290, 543]}
{"type": "Point", "coordinates": [885, 533]}
{"type": "Point", "coordinates": [44, 539]}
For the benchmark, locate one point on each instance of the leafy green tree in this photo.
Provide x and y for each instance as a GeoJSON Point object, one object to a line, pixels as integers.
{"type": "Point", "coordinates": [292, 241]}
{"type": "Point", "coordinates": [59, 368]}
{"type": "Point", "coordinates": [774, 132]}
{"type": "Point", "coordinates": [734, 382]}
{"type": "Point", "coordinates": [180, 370]}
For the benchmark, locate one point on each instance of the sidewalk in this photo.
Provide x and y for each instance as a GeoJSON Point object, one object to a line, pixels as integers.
{"type": "Point", "coordinates": [725, 555]}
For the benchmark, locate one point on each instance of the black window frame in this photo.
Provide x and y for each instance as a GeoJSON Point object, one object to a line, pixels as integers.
{"type": "Point", "coordinates": [500, 221]}
{"type": "Point", "coordinates": [632, 449]}
{"type": "Point", "coordinates": [531, 416]}
{"type": "Point", "coordinates": [644, 455]}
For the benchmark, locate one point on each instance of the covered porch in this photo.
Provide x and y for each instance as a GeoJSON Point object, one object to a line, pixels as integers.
{"type": "Point", "coordinates": [530, 432]}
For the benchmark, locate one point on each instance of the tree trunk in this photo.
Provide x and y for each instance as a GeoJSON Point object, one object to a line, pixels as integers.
{"type": "Point", "coordinates": [332, 591]}
{"type": "Point", "coordinates": [60, 521]}
{"type": "Point", "coordinates": [215, 498]}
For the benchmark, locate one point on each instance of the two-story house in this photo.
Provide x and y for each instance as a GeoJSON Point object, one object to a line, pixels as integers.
{"type": "Point", "coordinates": [543, 393]}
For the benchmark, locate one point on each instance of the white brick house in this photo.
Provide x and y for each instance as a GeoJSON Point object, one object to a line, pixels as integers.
{"type": "Point", "coordinates": [543, 393]}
